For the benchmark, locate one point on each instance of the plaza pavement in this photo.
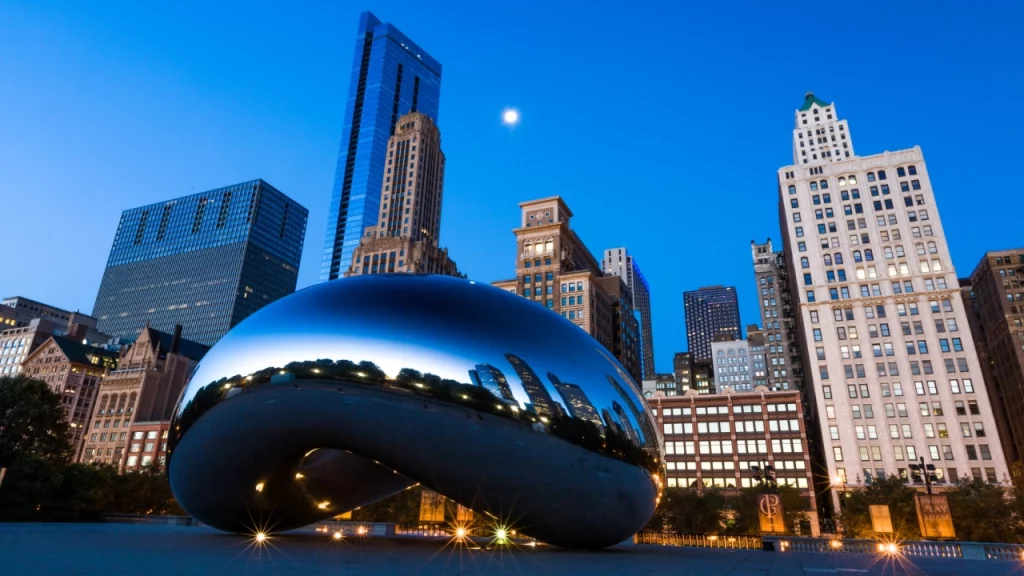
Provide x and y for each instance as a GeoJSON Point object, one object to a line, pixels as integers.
{"type": "Point", "coordinates": [115, 549]}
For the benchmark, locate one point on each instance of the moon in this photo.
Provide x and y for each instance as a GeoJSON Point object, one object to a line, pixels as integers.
{"type": "Point", "coordinates": [510, 117]}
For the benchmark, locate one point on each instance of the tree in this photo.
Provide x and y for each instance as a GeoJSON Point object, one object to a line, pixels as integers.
{"type": "Point", "coordinates": [32, 421]}
{"type": "Point", "coordinates": [745, 515]}
{"type": "Point", "coordinates": [689, 511]}
{"type": "Point", "coordinates": [984, 512]}
{"type": "Point", "coordinates": [891, 490]}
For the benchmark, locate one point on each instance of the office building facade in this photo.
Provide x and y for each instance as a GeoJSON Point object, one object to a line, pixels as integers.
{"type": "Point", "coordinates": [391, 77]}
{"type": "Point", "coordinates": [405, 237]}
{"type": "Point", "coordinates": [995, 295]}
{"type": "Point", "coordinates": [619, 262]}
{"type": "Point", "coordinates": [886, 345]}
{"type": "Point", "coordinates": [740, 364]}
{"type": "Point", "coordinates": [205, 261]}
{"type": "Point", "coordinates": [710, 311]}
{"type": "Point", "coordinates": [717, 440]}
{"type": "Point", "coordinates": [782, 344]}
{"type": "Point", "coordinates": [73, 370]}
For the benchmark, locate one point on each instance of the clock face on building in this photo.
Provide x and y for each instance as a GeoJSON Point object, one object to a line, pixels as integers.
{"type": "Point", "coordinates": [540, 216]}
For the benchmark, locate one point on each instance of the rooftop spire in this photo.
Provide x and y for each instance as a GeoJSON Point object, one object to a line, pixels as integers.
{"type": "Point", "coordinates": [810, 100]}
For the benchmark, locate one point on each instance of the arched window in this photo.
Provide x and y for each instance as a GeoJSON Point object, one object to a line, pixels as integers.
{"type": "Point", "coordinates": [824, 184]}
{"type": "Point", "coordinates": [839, 257]}
{"type": "Point", "coordinates": [871, 176]}
{"type": "Point", "coordinates": [932, 248]}
{"type": "Point", "coordinates": [842, 181]}
{"type": "Point", "coordinates": [549, 246]}
{"type": "Point", "coordinates": [920, 247]}
{"type": "Point", "coordinates": [804, 262]}
{"type": "Point", "coordinates": [856, 256]}
{"type": "Point", "coordinates": [868, 255]}
{"type": "Point", "coordinates": [888, 253]}
{"type": "Point", "coordinates": [828, 259]}
{"type": "Point", "coordinates": [881, 174]}
{"type": "Point", "coordinates": [899, 251]}
{"type": "Point", "coordinates": [814, 186]}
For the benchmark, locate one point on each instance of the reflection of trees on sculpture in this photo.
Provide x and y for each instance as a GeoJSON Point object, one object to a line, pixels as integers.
{"type": "Point", "coordinates": [607, 440]}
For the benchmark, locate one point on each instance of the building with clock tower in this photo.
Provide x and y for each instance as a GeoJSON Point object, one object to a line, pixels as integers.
{"type": "Point", "coordinates": [556, 270]}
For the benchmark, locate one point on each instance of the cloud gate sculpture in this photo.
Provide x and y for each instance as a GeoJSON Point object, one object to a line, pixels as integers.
{"type": "Point", "coordinates": [349, 391]}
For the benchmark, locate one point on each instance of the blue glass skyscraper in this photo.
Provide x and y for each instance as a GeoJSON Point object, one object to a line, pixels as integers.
{"type": "Point", "coordinates": [205, 261]}
{"type": "Point", "coordinates": [391, 76]}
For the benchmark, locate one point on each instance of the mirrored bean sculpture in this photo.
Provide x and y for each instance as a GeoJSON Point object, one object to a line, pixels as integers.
{"type": "Point", "coordinates": [346, 392]}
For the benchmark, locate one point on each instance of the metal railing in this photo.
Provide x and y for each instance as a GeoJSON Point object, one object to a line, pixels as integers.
{"type": "Point", "coordinates": [911, 549]}
{"type": "Point", "coordinates": [1003, 551]}
{"type": "Point", "coordinates": [698, 540]}
{"type": "Point", "coordinates": [151, 519]}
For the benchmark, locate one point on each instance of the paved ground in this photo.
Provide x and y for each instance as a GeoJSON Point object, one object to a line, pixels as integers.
{"type": "Point", "coordinates": [79, 549]}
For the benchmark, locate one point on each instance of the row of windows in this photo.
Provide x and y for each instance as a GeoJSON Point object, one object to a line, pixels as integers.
{"type": "Point", "coordinates": [899, 409]}
{"type": "Point", "coordinates": [874, 453]}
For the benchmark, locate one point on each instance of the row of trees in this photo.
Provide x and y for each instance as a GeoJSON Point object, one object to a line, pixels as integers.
{"type": "Point", "coordinates": [712, 511]}
{"type": "Point", "coordinates": [981, 512]}
{"type": "Point", "coordinates": [42, 484]}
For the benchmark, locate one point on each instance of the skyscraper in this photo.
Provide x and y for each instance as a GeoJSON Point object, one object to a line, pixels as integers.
{"type": "Point", "coordinates": [878, 312]}
{"type": "Point", "coordinates": [782, 347]}
{"type": "Point", "coordinates": [391, 76]}
{"type": "Point", "coordinates": [710, 311]}
{"type": "Point", "coordinates": [996, 317]}
{"type": "Point", "coordinates": [205, 261]}
{"type": "Point", "coordinates": [618, 262]}
{"type": "Point", "coordinates": [405, 237]}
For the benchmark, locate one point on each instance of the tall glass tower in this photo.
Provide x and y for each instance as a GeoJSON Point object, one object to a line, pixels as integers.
{"type": "Point", "coordinates": [205, 261]}
{"type": "Point", "coordinates": [391, 76]}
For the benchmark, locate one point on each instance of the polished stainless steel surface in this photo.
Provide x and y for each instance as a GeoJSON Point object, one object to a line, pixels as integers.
{"type": "Point", "coordinates": [351, 390]}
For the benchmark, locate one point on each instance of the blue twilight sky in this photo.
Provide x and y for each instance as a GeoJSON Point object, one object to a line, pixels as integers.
{"type": "Point", "coordinates": [662, 124]}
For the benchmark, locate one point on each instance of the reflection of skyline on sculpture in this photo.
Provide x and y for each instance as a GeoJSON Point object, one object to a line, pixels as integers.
{"type": "Point", "coordinates": [576, 401]}
{"type": "Point", "coordinates": [450, 354]}
{"type": "Point", "coordinates": [492, 379]}
{"type": "Point", "coordinates": [282, 421]}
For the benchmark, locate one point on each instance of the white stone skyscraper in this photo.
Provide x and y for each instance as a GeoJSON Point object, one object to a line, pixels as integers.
{"type": "Point", "coordinates": [887, 352]}
{"type": "Point", "coordinates": [619, 262]}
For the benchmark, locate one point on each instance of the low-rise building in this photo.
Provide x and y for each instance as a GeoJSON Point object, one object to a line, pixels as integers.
{"type": "Point", "coordinates": [129, 425]}
{"type": "Point", "coordinates": [714, 440]}
{"type": "Point", "coordinates": [25, 324]}
{"type": "Point", "coordinates": [73, 370]}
